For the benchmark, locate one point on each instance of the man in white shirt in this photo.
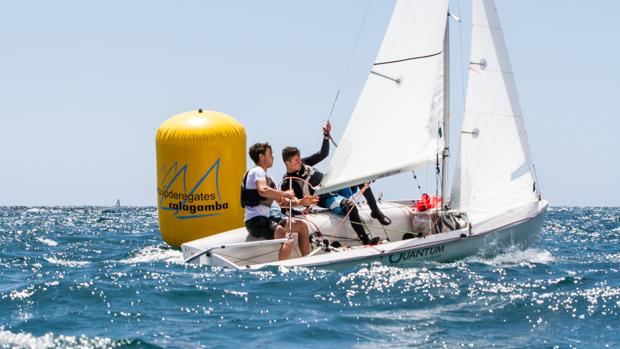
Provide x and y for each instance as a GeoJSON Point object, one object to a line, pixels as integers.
{"type": "Point", "coordinates": [258, 192]}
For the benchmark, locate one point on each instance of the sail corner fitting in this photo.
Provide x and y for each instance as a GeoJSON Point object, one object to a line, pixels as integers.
{"type": "Point", "coordinates": [482, 64]}
{"type": "Point", "coordinates": [396, 80]}
{"type": "Point", "coordinates": [474, 133]}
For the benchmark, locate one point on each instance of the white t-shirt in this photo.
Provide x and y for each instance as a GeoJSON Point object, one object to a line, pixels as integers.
{"type": "Point", "coordinates": [255, 174]}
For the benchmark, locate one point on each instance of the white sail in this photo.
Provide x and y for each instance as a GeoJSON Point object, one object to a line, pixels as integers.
{"type": "Point", "coordinates": [494, 182]}
{"type": "Point", "coordinates": [494, 169]}
{"type": "Point", "coordinates": [395, 124]}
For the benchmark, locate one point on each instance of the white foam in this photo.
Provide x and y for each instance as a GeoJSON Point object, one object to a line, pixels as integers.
{"type": "Point", "coordinates": [155, 253]}
{"type": "Point", "coordinates": [9, 339]}
{"type": "Point", "coordinates": [237, 293]}
{"type": "Point", "coordinates": [66, 263]}
{"type": "Point", "coordinates": [48, 242]}
{"type": "Point", "coordinates": [21, 295]}
{"type": "Point", "coordinates": [613, 257]}
{"type": "Point", "coordinates": [517, 257]}
{"type": "Point", "coordinates": [35, 210]}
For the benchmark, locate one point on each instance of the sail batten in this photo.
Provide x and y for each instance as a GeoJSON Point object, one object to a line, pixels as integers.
{"type": "Point", "coordinates": [408, 59]}
{"type": "Point", "coordinates": [395, 124]}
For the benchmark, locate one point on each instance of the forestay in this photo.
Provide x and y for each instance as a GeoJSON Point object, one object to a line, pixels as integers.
{"type": "Point", "coordinates": [494, 170]}
{"type": "Point", "coordinates": [395, 126]}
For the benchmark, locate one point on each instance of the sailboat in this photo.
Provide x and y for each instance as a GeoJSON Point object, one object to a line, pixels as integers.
{"type": "Point", "coordinates": [494, 203]}
{"type": "Point", "coordinates": [114, 209]}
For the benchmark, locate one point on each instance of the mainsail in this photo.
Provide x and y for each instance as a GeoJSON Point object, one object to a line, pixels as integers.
{"type": "Point", "coordinates": [395, 126]}
{"type": "Point", "coordinates": [494, 170]}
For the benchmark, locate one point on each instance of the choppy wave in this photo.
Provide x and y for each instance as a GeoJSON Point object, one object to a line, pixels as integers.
{"type": "Point", "coordinates": [48, 242]}
{"type": "Point", "coordinates": [82, 278]}
{"type": "Point", "coordinates": [66, 263]}
{"type": "Point", "coordinates": [50, 340]}
{"type": "Point", "coordinates": [155, 253]}
{"type": "Point", "coordinates": [527, 257]}
{"type": "Point", "coordinates": [20, 294]}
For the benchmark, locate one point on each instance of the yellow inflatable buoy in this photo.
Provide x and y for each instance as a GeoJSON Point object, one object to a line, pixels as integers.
{"type": "Point", "coordinates": [200, 164]}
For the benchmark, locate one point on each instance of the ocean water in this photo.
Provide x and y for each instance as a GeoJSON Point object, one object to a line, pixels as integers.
{"type": "Point", "coordinates": [81, 278]}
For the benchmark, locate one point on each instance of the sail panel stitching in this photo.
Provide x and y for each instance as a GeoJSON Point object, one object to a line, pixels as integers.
{"type": "Point", "coordinates": [477, 112]}
{"type": "Point", "coordinates": [486, 26]}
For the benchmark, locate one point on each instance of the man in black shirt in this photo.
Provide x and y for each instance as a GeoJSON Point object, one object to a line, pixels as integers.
{"type": "Point", "coordinates": [338, 202]}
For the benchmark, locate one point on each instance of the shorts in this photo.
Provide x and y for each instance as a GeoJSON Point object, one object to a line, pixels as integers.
{"type": "Point", "coordinates": [333, 202]}
{"type": "Point", "coordinates": [263, 227]}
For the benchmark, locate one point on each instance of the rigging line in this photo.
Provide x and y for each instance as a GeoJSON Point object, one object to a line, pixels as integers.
{"type": "Point", "coordinates": [355, 197]}
{"type": "Point", "coordinates": [437, 177]}
{"type": "Point", "coordinates": [415, 177]}
{"type": "Point", "coordinates": [353, 200]}
{"type": "Point", "coordinates": [371, 225]}
{"type": "Point", "coordinates": [349, 61]}
{"type": "Point", "coordinates": [426, 176]}
{"type": "Point", "coordinates": [305, 218]}
{"type": "Point", "coordinates": [298, 179]}
{"type": "Point", "coordinates": [232, 257]}
{"type": "Point", "coordinates": [246, 259]}
{"type": "Point", "coordinates": [409, 59]}
{"type": "Point", "coordinates": [333, 141]}
{"type": "Point", "coordinates": [385, 232]}
{"type": "Point", "coordinates": [334, 103]}
{"type": "Point", "coordinates": [461, 52]}
{"type": "Point", "coordinates": [290, 210]}
{"type": "Point", "coordinates": [340, 238]}
{"type": "Point", "coordinates": [397, 205]}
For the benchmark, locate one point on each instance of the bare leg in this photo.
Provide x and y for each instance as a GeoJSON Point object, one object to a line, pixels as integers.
{"type": "Point", "coordinates": [302, 236]}
{"type": "Point", "coordinates": [287, 247]}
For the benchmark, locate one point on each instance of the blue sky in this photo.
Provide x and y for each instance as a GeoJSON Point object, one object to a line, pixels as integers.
{"type": "Point", "coordinates": [85, 86]}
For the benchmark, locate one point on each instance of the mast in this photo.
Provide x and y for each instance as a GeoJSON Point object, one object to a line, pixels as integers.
{"type": "Point", "coordinates": [446, 113]}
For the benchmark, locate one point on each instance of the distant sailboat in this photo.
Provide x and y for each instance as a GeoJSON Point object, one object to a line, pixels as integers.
{"type": "Point", "coordinates": [403, 109]}
{"type": "Point", "coordinates": [114, 209]}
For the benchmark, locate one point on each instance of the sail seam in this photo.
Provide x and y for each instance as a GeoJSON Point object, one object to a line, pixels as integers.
{"type": "Point", "coordinates": [494, 114]}
{"type": "Point", "coordinates": [487, 26]}
{"type": "Point", "coordinates": [409, 59]}
{"type": "Point", "coordinates": [497, 71]}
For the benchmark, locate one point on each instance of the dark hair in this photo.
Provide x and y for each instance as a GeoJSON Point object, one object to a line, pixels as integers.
{"type": "Point", "coordinates": [257, 149]}
{"type": "Point", "coordinates": [289, 152]}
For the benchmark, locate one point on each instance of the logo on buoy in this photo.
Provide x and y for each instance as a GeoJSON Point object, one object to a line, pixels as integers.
{"type": "Point", "coordinates": [202, 200]}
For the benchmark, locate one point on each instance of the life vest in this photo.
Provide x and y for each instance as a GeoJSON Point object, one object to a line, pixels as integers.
{"type": "Point", "coordinates": [251, 197]}
{"type": "Point", "coordinates": [427, 202]}
{"type": "Point", "coordinates": [310, 178]}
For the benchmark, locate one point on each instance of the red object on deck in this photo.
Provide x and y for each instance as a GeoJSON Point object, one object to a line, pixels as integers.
{"type": "Point", "coordinates": [427, 202]}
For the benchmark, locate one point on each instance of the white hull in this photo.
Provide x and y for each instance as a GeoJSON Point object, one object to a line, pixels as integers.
{"type": "Point", "coordinates": [519, 227]}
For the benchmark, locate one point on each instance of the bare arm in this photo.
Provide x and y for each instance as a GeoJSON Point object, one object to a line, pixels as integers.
{"type": "Point", "coordinates": [283, 197]}
{"type": "Point", "coordinates": [266, 191]}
